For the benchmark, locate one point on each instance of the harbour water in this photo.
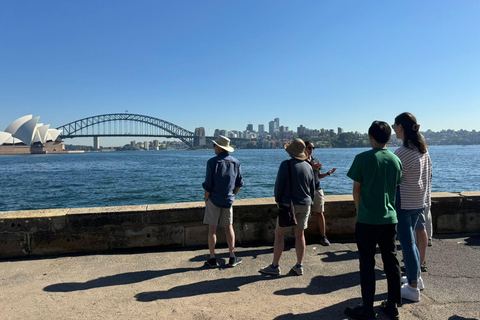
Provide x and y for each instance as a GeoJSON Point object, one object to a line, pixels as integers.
{"type": "Point", "coordinates": [150, 177]}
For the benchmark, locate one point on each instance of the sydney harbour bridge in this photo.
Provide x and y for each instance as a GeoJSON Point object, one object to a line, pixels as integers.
{"type": "Point", "coordinates": [131, 125]}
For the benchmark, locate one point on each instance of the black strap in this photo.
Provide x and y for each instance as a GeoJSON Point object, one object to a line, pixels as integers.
{"type": "Point", "coordinates": [290, 179]}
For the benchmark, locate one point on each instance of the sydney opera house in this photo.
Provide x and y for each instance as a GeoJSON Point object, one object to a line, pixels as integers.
{"type": "Point", "coordinates": [26, 136]}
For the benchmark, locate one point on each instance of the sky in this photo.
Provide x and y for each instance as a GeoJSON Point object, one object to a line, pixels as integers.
{"type": "Point", "coordinates": [225, 64]}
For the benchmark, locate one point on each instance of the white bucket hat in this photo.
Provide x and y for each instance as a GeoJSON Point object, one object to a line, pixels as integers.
{"type": "Point", "coordinates": [224, 143]}
{"type": "Point", "coordinates": [296, 149]}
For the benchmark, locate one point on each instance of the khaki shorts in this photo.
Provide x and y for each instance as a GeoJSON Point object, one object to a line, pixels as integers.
{"type": "Point", "coordinates": [319, 202]}
{"type": "Point", "coordinates": [217, 216]}
{"type": "Point", "coordinates": [301, 213]}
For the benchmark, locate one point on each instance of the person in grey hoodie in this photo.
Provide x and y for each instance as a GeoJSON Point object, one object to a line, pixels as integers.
{"type": "Point", "coordinates": [302, 194]}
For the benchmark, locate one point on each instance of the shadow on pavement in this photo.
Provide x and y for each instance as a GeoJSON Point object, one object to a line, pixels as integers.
{"type": "Point", "coordinates": [472, 241]}
{"type": "Point", "coordinates": [333, 312]}
{"type": "Point", "coordinates": [338, 256]}
{"type": "Point", "coordinates": [327, 284]}
{"type": "Point", "coordinates": [116, 280]}
{"type": "Point", "coordinates": [203, 287]}
{"type": "Point", "coordinates": [254, 253]}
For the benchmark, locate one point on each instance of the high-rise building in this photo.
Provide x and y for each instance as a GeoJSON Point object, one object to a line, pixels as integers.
{"type": "Point", "coordinates": [271, 127]}
{"type": "Point", "coordinates": [199, 137]}
{"type": "Point", "coordinates": [340, 131]}
{"type": "Point", "coordinates": [261, 128]}
{"type": "Point", "coordinates": [250, 127]}
{"type": "Point", "coordinates": [301, 130]}
{"type": "Point", "coordinates": [276, 124]}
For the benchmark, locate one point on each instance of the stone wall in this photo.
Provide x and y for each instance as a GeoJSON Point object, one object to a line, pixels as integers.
{"type": "Point", "coordinates": [59, 231]}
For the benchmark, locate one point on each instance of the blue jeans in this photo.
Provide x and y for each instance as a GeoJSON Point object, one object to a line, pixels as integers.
{"type": "Point", "coordinates": [407, 220]}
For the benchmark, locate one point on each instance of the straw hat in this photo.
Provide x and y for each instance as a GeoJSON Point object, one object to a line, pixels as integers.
{"type": "Point", "coordinates": [224, 143]}
{"type": "Point", "coordinates": [296, 149]}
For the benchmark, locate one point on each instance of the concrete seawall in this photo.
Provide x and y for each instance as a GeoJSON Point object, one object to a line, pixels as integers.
{"type": "Point", "coordinates": [59, 231]}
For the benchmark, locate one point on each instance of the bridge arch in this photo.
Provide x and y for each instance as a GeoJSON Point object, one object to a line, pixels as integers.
{"type": "Point", "coordinates": [125, 125]}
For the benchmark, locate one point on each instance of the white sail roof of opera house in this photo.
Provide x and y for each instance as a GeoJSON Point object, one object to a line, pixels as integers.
{"type": "Point", "coordinates": [27, 130]}
{"type": "Point", "coordinates": [4, 136]}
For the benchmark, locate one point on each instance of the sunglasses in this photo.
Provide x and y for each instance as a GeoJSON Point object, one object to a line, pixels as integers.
{"type": "Point", "coordinates": [311, 148]}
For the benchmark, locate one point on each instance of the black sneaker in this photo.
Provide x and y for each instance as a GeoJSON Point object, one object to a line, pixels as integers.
{"type": "Point", "coordinates": [360, 313]}
{"type": "Point", "coordinates": [423, 267]}
{"type": "Point", "coordinates": [324, 241]}
{"type": "Point", "coordinates": [212, 263]}
{"type": "Point", "coordinates": [430, 242]}
{"type": "Point", "coordinates": [233, 261]}
{"type": "Point", "coordinates": [390, 310]}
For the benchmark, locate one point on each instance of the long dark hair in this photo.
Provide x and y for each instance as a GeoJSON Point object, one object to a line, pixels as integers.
{"type": "Point", "coordinates": [411, 130]}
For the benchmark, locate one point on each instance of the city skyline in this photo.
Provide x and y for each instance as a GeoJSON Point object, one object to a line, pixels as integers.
{"type": "Point", "coordinates": [216, 64]}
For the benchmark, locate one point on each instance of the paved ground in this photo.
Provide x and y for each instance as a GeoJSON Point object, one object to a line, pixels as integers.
{"type": "Point", "coordinates": [175, 285]}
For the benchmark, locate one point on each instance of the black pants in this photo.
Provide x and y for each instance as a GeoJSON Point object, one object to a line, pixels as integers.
{"type": "Point", "coordinates": [367, 237]}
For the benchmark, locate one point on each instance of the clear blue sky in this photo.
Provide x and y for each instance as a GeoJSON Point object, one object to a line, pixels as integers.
{"type": "Point", "coordinates": [224, 64]}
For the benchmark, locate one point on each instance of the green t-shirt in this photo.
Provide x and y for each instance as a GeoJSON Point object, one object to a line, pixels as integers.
{"type": "Point", "coordinates": [380, 172]}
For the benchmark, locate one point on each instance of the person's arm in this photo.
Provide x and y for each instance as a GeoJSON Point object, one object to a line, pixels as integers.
{"type": "Point", "coordinates": [323, 175]}
{"type": "Point", "coordinates": [235, 191]}
{"type": "Point", "coordinates": [356, 193]}
{"type": "Point", "coordinates": [208, 184]}
{"type": "Point", "coordinates": [279, 182]}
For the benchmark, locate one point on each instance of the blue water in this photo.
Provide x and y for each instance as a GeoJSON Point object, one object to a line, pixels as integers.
{"type": "Point", "coordinates": [150, 177]}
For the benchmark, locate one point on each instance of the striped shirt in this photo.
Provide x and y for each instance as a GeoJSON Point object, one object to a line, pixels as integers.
{"type": "Point", "coordinates": [416, 183]}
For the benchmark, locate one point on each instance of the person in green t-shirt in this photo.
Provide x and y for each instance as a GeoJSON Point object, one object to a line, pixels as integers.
{"type": "Point", "coordinates": [376, 174]}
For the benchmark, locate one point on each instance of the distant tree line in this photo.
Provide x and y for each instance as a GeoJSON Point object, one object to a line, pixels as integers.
{"type": "Point", "coordinates": [330, 140]}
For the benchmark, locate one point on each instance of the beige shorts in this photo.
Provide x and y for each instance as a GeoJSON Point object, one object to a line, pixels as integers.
{"type": "Point", "coordinates": [319, 202]}
{"type": "Point", "coordinates": [301, 213]}
{"type": "Point", "coordinates": [216, 216]}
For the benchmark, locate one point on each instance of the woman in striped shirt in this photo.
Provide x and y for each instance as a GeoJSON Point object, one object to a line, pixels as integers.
{"type": "Point", "coordinates": [413, 197]}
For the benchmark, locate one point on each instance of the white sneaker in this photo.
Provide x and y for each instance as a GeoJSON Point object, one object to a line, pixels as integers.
{"type": "Point", "coordinates": [410, 293]}
{"type": "Point", "coordinates": [419, 283]}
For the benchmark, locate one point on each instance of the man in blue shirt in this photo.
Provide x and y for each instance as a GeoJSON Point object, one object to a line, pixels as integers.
{"type": "Point", "coordinates": [223, 180]}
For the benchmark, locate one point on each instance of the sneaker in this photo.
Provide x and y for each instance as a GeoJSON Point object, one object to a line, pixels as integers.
{"type": "Point", "coordinates": [420, 285]}
{"type": "Point", "coordinates": [298, 270]}
{"type": "Point", "coordinates": [430, 242]}
{"type": "Point", "coordinates": [390, 310]}
{"type": "Point", "coordinates": [270, 269]}
{"type": "Point", "coordinates": [324, 241]}
{"type": "Point", "coordinates": [360, 313]}
{"type": "Point", "coordinates": [233, 261]}
{"type": "Point", "coordinates": [410, 293]}
{"type": "Point", "coordinates": [212, 263]}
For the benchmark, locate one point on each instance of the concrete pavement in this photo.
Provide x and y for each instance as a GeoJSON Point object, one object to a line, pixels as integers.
{"type": "Point", "coordinates": [174, 284]}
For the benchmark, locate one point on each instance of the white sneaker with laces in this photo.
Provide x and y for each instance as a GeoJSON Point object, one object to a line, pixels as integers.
{"type": "Point", "coordinates": [419, 283]}
{"type": "Point", "coordinates": [410, 293]}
